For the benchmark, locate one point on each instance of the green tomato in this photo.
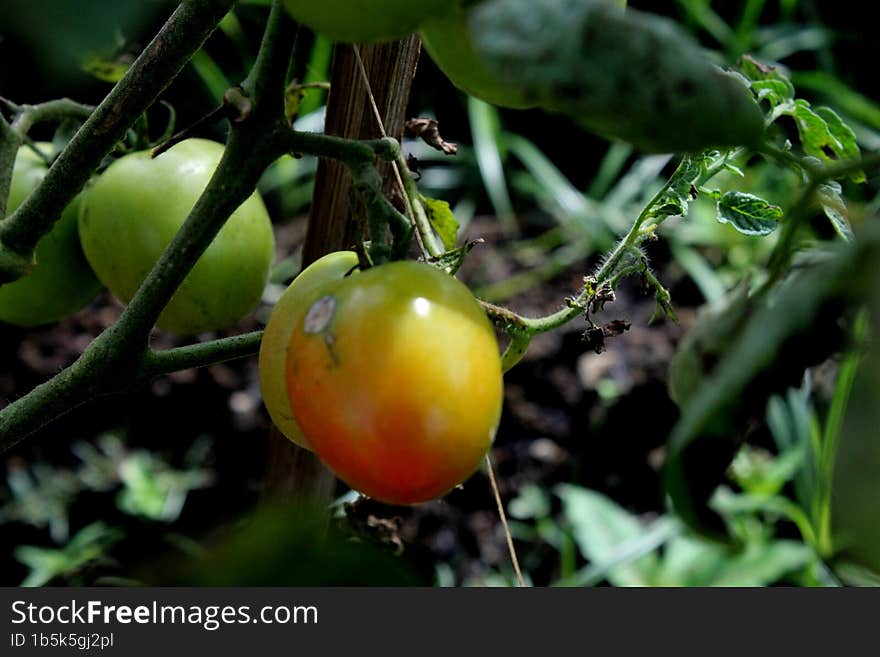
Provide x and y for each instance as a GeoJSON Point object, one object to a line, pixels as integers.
{"type": "Point", "coordinates": [135, 208]}
{"type": "Point", "coordinates": [289, 310]}
{"type": "Point", "coordinates": [365, 20]}
{"type": "Point", "coordinates": [447, 40]}
{"type": "Point", "coordinates": [62, 281]}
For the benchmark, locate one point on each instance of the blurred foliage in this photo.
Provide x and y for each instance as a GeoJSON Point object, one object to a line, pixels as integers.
{"type": "Point", "coordinates": [142, 484]}
{"type": "Point", "coordinates": [66, 37]}
{"type": "Point", "coordinates": [620, 548]}
{"type": "Point", "coordinates": [773, 501]}
{"type": "Point", "coordinates": [86, 548]}
{"type": "Point", "coordinates": [289, 546]}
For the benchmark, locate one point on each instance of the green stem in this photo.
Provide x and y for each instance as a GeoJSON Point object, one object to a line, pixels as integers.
{"type": "Point", "coordinates": [54, 110]}
{"type": "Point", "coordinates": [607, 273]}
{"type": "Point", "coordinates": [10, 140]}
{"type": "Point", "coordinates": [201, 355]}
{"type": "Point", "coordinates": [359, 156]}
{"type": "Point", "coordinates": [252, 146]}
{"type": "Point", "coordinates": [420, 217]}
{"type": "Point", "coordinates": [351, 152]}
{"type": "Point", "coordinates": [62, 393]}
{"type": "Point", "coordinates": [92, 376]}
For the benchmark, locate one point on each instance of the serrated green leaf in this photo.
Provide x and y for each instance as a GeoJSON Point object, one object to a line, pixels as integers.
{"type": "Point", "coordinates": [443, 220]}
{"type": "Point", "coordinates": [451, 261]}
{"type": "Point", "coordinates": [844, 136]}
{"type": "Point", "coordinates": [680, 191]}
{"type": "Point", "coordinates": [831, 199]}
{"type": "Point", "coordinates": [748, 213]}
{"type": "Point", "coordinates": [774, 92]}
{"type": "Point", "coordinates": [824, 135]}
{"type": "Point", "coordinates": [768, 81]}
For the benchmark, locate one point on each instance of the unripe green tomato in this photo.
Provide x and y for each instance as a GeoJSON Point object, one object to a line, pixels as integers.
{"type": "Point", "coordinates": [289, 310]}
{"type": "Point", "coordinates": [394, 377]}
{"type": "Point", "coordinates": [447, 40]}
{"type": "Point", "coordinates": [135, 208]}
{"type": "Point", "coordinates": [365, 20]}
{"type": "Point", "coordinates": [62, 281]}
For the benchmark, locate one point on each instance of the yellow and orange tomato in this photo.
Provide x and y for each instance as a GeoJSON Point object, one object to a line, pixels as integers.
{"type": "Point", "coordinates": [394, 377]}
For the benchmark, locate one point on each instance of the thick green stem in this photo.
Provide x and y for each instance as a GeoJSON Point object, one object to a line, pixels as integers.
{"type": "Point", "coordinates": [10, 140]}
{"type": "Point", "coordinates": [252, 146]}
{"type": "Point", "coordinates": [53, 399]}
{"type": "Point", "coordinates": [160, 62]}
{"type": "Point", "coordinates": [158, 363]}
{"type": "Point", "coordinates": [360, 156]}
{"type": "Point", "coordinates": [351, 152]}
{"type": "Point", "coordinates": [28, 116]}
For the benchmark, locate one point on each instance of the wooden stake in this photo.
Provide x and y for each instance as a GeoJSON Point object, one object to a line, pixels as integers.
{"type": "Point", "coordinates": [292, 473]}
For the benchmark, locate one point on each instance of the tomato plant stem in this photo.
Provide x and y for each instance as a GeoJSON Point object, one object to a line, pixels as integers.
{"type": "Point", "coordinates": [204, 354]}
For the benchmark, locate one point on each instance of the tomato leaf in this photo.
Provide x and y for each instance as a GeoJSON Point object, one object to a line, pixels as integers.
{"type": "Point", "coordinates": [831, 199]}
{"type": "Point", "coordinates": [748, 213]}
{"type": "Point", "coordinates": [628, 75]}
{"type": "Point", "coordinates": [767, 81]}
{"type": "Point", "coordinates": [681, 190]}
{"type": "Point", "coordinates": [849, 147]}
{"type": "Point", "coordinates": [442, 219]}
{"type": "Point", "coordinates": [824, 135]}
{"type": "Point", "coordinates": [451, 261]}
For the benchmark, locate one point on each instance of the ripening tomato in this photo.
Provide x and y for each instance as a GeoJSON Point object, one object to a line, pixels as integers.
{"type": "Point", "coordinates": [395, 378]}
{"type": "Point", "coordinates": [291, 308]}
{"type": "Point", "coordinates": [62, 281]}
{"type": "Point", "coordinates": [134, 210]}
